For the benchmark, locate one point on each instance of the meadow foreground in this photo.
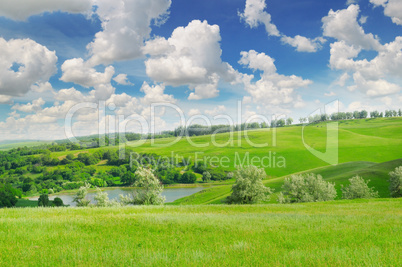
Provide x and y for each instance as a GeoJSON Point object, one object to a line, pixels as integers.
{"type": "Point", "coordinates": [335, 233]}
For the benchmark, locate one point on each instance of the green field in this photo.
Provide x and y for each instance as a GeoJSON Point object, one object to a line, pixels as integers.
{"type": "Point", "coordinates": [14, 144]}
{"type": "Point", "coordinates": [337, 233]}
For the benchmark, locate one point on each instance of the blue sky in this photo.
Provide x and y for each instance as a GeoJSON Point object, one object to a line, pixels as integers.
{"type": "Point", "coordinates": [285, 58]}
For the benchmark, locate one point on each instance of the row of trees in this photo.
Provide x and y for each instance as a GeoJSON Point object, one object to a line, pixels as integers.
{"type": "Point", "coordinates": [54, 175]}
{"type": "Point", "coordinates": [249, 188]}
{"type": "Point", "coordinates": [350, 115]}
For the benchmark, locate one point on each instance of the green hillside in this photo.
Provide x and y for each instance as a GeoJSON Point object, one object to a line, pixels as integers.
{"type": "Point", "coordinates": [6, 145]}
{"type": "Point", "coordinates": [363, 147]}
{"type": "Point", "coordinates": [374, 140]}
{"type": "Point", "coordinates": [377, 173]}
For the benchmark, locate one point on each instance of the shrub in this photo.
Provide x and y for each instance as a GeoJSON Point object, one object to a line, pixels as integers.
{"type": "Point", "coordinates": [58, 202]}
{"type": "Point", "coordinates": [43, 200]}
{"type": "Point", "coordinates": [217, 174]}
{"type": "Point", "coordinates": [150, 192]}
{"type": "Point", "coordinates": [206, 177]}
{"type": "Point", "coordinates": [188, 178]}
{"type": "Point", "coordinates": [306, 188]}
{"type": "Point", "coordinates": [395, 182]}
{"type": "Point", "coordinates": [102, 199]}
{"type": "Point", "coordinates": [80, 197]}
{"type": "Point", "coordinates": [249, 188]}
{"type": "Point", "coordinates": [358, 188]}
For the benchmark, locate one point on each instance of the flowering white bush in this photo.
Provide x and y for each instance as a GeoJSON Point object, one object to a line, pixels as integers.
{"type": "Point", "coordinates": [80, 197]}
{"type": "Point", "coordinates": [102, 199]}
{"type": "Point", "coordinates": [150, 192]}
{"type": "Point", "coordinates": [395, 182]}
{"type": "Point", "coordinates": [306, 188]}
{"type": "Point", "coordinates": [358, 188]}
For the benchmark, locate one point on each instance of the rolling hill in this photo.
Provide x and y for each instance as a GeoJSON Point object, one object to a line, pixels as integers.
{"type": "Point", "coordinates": [377, 173]}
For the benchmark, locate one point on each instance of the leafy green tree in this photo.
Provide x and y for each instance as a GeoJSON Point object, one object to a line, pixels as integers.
{"type": "Point", "coordinates": [58, 202]}
{"type": "Point", "coordinates": [249, 188]}
{"type": "Point", "coordinates": [395, 182]}
{"type": "Point", "coordinates": [7, 197]}
{"type": "Point", "coordinates": [80, 197]}
{"type": "Point", "coordinates": [306, 188]}
{"type": "Point", "coordinates": [206, 177]}
{"type": "Point", "coordinates": [43, 200]}
{"type": "Point", "coordinates": [358, 188]}
{"type": "Point", "coordinates": [128, 178]}
{"type": "Point", "coordinates": [289, 121]}
{"type": "Point", "coordinates": [150, 192]}
{"type": "Point", "coordinates": [188, 178]}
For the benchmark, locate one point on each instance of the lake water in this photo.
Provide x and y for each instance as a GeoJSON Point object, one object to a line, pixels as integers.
{"type": "Point", "coordinates": [171, 194]}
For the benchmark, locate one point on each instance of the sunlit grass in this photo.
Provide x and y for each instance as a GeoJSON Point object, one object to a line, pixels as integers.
{"type": "Point", "coordinates": [338, 233]}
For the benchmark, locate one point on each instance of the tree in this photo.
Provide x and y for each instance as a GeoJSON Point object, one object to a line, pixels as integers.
{"type": "Point", "coordinates": [206, 177]}
{"type": "Point", "coordinates": [188, 178]}
{"type": "Point", "coordinates": [150, 192]}
{"type": "Point", "coordinates": [395, 182]}
{"type": "Point", "coordinates": [58, 202]}
{"type": "Point", "coordinates": [128, 178]}
{"type": "Point", "coordinates": [358, 188]}
{"type": "Point", "coordinates": [280, 123]}
{"type": "Point", "coordinates": [306, 188]}
{"type": "Point", "coordinates": [249, 188]}
{"type": "Point", "coordinates": [7, 196]}
{"type": "Point", "coordinates": [43, 200]}
{"type": "Point", "coordinates": [289, 121]}
{"type": "Point", "coordinates": [80, 197]}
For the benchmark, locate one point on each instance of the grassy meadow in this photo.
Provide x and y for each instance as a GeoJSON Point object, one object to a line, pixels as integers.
{"type": "Point", "coordinates": [336, 233]}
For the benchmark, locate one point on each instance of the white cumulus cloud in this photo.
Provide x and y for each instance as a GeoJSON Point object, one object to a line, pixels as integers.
{"type": "Point", "coordinates": [191, 56]}
{"type": "Point", "coordinates": [77, 71]}
{"type": "Point", "coordinates": [126, 24]}
{"type": "Point", "coordinates": [272, 89]}
{"type": "Point", "coordinates": [343, 26]}
{"type": "Point", "coordinates": [304, 44]}
{"type": "Point", "coordinates": [36, 105]}
{"type": "Point", "coordinates": [392, 9]}
{"type": "Point", "coordinates": [122, 79]}
{"type": "Point", "coordinates": [23, 62]}
{"type": "Point", "coordinates": [22, 9]}
{"type": "Point", "coordinates": [255, 15]}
